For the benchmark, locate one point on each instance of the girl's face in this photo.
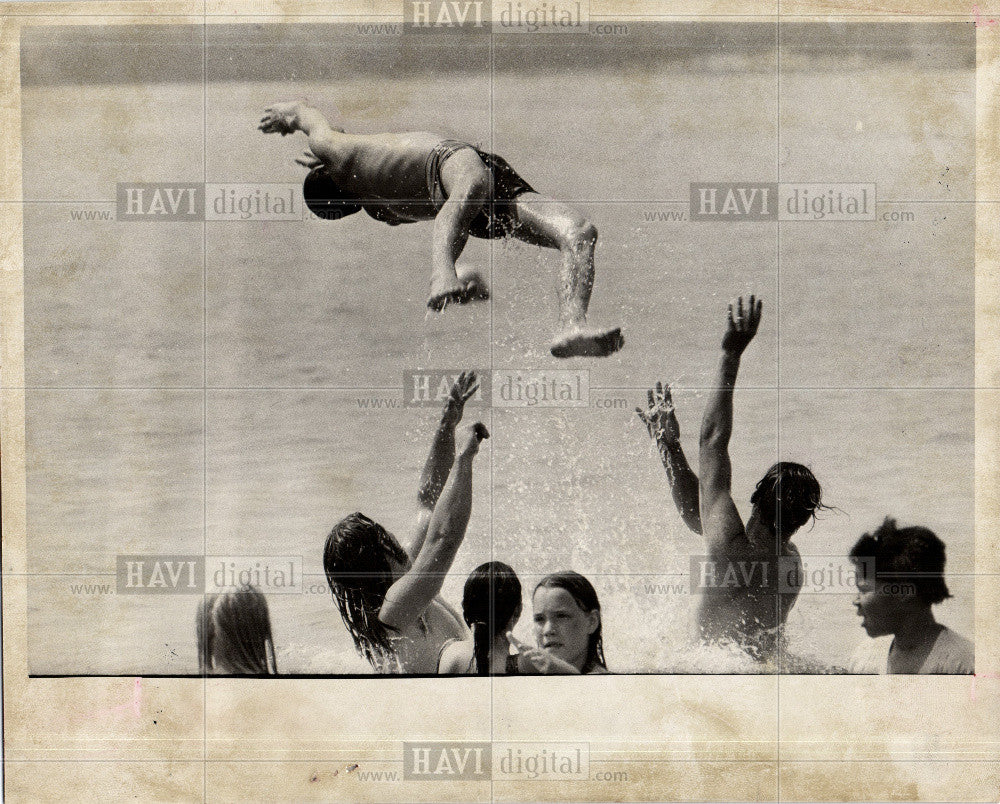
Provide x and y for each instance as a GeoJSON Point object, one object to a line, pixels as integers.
{"type": "Point", "coordinates": [882, 606]}
{"type": "Point", "coordinates": [561, 626]}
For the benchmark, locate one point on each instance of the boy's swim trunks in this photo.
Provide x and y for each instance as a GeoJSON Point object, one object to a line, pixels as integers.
{"type": "Point", "coordinates": [498, 217]}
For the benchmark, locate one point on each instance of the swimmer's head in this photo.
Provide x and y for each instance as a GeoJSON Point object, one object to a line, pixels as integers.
{"type": "Point", "coordinates": [491, 605]}
{"type": "Point", "coordinates": [325, 199]}
{"type": "Point", "coordinates": [900, 575]}
{"type": "Point", "coordinates": [234, 634]}
{"type": "Point", "coordinates": [362, 560]}
{"type": "Point", "coordinates": [568, 619]}
{"type": "Point", "coordinates": [905, 557]}
{"type": "Point", "coordinates": [787, 497]}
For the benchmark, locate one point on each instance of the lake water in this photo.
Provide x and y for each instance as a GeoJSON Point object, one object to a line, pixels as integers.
{"type": "Point", "coordinates": [202, 389]}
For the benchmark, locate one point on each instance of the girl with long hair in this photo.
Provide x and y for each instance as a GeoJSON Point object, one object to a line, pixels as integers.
{"type": "Point", "coordinates": [389, 597]}
{"type": "Point", "coordinates": [234, 634]}
{"type": "Point", "coordinates": [491, 606]}
{"type": "Point", "coordinates": [568, 627]}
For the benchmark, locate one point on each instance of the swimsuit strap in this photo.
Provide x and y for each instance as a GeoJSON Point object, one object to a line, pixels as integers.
{"type": "Point", "coordinates": [444, 645]}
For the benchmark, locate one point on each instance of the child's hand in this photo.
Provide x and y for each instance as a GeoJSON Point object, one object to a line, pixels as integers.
{"type": "Point", "coordinates": [542, 660]}
{"type": "Point", "coordinates": [474, 433]}
{"type": "Point", "coordinates": [465, 386]}
{"type": "Point", "coordinates": [280, 118]}
{"type": "Point", "coordinates": [308, 160]}
{"type": "Point", "coordinates": [659, 416]}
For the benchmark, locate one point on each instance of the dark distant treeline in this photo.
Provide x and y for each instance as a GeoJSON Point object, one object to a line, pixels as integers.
{"type": "Point", "coordinates": [331, 52]}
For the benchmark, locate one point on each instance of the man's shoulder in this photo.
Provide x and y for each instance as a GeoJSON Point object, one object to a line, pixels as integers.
{"type": "Point", "coordinates": [421, 139]}
{"type": "Point", "coordinates": [792, 551]}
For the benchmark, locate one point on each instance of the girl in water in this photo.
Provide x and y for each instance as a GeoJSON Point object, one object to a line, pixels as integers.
{"type": "Point", "coordinates": [491, 605]}
{"type": "Point", "coordinates": [234, 634]}
{"type": "Point", "coordinates": [567, 617]}
{"type": "Point", "coordinates": [387, 596]}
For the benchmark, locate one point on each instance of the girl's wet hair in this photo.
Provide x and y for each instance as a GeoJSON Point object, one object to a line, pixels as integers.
{"type": "Point", "coordinates": [491, 600]}
{"type": "Point", "coordinates": [788, 496]}
{"type": "Point", "coordinates": [585, 596]}
{"type": "Point", "coordinates": [914, 556]}
{"type": "Point", "coordinates": [356, 561]}
{"type": "Point", "coordinates": [234, 634]}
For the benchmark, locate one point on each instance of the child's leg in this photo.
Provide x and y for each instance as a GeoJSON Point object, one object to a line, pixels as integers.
{"type": "Point", "coordinates": [552, 224]}
{"type": "Point", "coordinates": [466, 182]}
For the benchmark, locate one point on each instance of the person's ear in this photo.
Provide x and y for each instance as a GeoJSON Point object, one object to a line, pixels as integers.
{"type": "Point", "coordinates": [594, 618]}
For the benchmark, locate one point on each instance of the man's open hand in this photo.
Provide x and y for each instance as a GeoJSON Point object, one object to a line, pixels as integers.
{"type": "Point", "coordinates": [742, 325]}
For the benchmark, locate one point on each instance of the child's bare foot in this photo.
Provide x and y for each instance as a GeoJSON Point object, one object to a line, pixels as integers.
{"type": "Point", "coordinates": [583, 342]}
{"type": "Point", "coordinates": [281, 118]}
{"type": "Point", "coordinates": [449, 290]}
{"type": "Point", "coordinates": [475, 285]}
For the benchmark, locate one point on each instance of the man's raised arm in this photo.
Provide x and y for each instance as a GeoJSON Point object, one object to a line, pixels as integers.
{"type": "Point", "coordinates": [661, 422]}
{"type": "Point", "coordinates": [720, 519]}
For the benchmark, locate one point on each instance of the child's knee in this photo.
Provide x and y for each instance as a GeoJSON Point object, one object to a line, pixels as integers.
{"type": "Point", "coordinates": [582, 233]}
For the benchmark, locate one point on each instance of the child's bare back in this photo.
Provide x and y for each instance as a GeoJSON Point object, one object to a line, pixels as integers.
{"type": "Point", "coordinates": [418, 646]}
{"type": "Point", "coordinates": [389, 167]}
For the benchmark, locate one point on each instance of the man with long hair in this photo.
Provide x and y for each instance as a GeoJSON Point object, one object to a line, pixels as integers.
{"type": "Point", "coordinates": [750, 578]}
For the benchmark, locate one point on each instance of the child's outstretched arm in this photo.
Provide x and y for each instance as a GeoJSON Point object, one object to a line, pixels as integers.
{"type": "Point", "coordinates": [441, 457]}
{"type": "Point", "coordinates": [661, 422]}
{"type": "Point", "coordinates": [720, 520]}
{"type": "Point", "coordinates": [291, 116]}
{"type": "Point", "coordinates": [409, 596]}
